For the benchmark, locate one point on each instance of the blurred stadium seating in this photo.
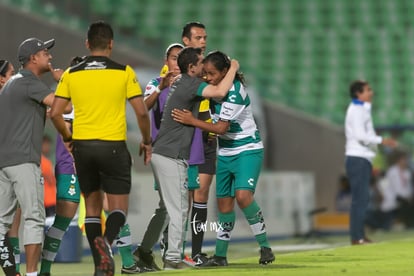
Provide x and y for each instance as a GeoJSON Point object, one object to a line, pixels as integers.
{"type": "Point", "coordinates": [300, 53]}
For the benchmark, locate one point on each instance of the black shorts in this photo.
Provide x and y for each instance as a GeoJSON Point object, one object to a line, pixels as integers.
{"type": "Point", "coordinates": [210, 157]}
{"type": "Point", "coordinates": [103, 165]}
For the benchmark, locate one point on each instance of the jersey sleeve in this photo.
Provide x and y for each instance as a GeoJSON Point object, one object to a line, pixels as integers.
{"type": "Point", "coordinates": [151, 87]}
{"type": "Point", "coordinates": [234, 103]}
{"type": "Point", "coordinates": [201, 88]}
{"type": "Point", "coordinates": [62, 87]}
{"type": "Point", "coordinates": [133, 87]}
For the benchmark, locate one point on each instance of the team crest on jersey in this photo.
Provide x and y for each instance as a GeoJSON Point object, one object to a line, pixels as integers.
{"type": "Point", "coordinates": [95, 65]}
{"type": "Point", "coordinates": [72, 190]}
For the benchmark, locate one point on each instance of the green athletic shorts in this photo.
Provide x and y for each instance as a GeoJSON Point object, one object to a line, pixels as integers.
{"type": "Point", "coordinates": [68, 187]}
{"type": "Point", "coordinates": [193, 179]}
{"type": "Point", "coordinates": [238, 172]}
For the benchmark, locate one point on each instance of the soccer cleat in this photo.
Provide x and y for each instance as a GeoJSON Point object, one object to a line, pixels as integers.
{"type": "Point", "coordinates": [200, 259]}
{"type": "Point", "coordinates": [188, 261]}
{"type": "Point", "coordinates": [145, 260]}
{"type": "Point", "coordinates": [134, 269]}
{"type": "Point", "coordinates": [266, 256]}
{"type": "Point", "coordinates": [107, 265]}
{"type": "Point", "coordinates": [215, 261]}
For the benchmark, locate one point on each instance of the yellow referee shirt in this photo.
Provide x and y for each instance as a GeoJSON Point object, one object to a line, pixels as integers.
{"type": "Point", "coordinates": [98, 88]}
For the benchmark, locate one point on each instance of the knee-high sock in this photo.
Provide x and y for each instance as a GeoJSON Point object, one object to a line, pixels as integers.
{"type": "Point", "coordinates": [114, 222]}
{"type": "Point", "coordinates": [7, 258]}
{"type": "Point", "coordinates": [14, 242]}
{"type": "Point", "coordinates": [198, 226]}
{"type": "Point", "coordinates": [52, 242]}
{"type": "Point", "coordinates": [93, 229]}
{"type": "Point", "coordinates": [226, 225]}
{"type": "Point", "coordinates": [123, 242]}
{"type": "Point", "coordinates": [254, 217]}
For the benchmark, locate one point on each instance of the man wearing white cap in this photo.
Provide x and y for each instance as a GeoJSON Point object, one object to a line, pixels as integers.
{"type": "Point", "coordinates": [23, 103]}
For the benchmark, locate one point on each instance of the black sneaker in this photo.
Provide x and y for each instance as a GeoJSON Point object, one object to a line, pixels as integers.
{"type": "Point", "coordinates": [266, 256]}
{"type": "Point", "coordinates": [145, 268]}
{"type": "Point", "coordinates": [200, 259]}
{"type": "Point", "coordinates": [215, 261]}
{"type": "Point", "coordinates": [107, 265]}
{"type": "Point", "coordinates": [134, 269]}
{"type": "Point", "coordinates": [145, 260]}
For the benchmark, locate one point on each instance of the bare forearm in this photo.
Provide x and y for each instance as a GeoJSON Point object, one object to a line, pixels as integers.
{"type": "Point", "coordinates": [144, 126]}
{"type": "Point", "coordinates": [142, 115]}
{"type": "Point", "coordinates": [151, 100]}
{"type": "Point", "coordinates": [61, 127]}
{"type": "Point", "coordinates": [226, 83]}
{"type": "Point", "coordinates": [220, 90]}
{"type": "Point", "coordinates": [203, 125]}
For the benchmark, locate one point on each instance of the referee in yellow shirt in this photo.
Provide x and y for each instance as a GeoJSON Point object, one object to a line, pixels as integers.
{"type": "Point", "coordinates": [98, 88]}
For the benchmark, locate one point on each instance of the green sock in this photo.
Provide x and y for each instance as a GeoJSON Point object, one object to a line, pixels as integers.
{"type": "Point", "coordinates": [14, 241]}
{"type": "Point", "coordinates": [123, 242]}
{"type": "Point", "coordinates": [254, 217]}
{"type": "Point", "coordinates": [52, 241]}
{"type": "Point", "coordinates": [226, 225]}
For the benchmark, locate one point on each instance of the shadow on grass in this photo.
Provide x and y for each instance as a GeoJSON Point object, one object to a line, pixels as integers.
{"type": "Point", "coordinates": [256, 267]}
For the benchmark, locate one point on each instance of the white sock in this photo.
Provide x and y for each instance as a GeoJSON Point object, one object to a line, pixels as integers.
{"type": "Point", "coordinates": [31, 273]}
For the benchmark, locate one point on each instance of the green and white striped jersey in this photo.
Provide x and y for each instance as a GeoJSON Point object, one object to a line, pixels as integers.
{"type": "Point", "coordinates": [243, 134]}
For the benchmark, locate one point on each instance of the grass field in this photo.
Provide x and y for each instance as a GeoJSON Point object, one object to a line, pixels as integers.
{"type": "Point", "coordinates": [391, 254]}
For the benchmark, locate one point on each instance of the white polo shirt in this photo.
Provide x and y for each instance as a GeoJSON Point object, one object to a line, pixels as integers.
{"type": "Point", "coordinates": [361, 139]}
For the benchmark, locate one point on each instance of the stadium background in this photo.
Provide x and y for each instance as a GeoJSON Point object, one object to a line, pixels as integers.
{"type": "Point", "coordinates": [299, 56]}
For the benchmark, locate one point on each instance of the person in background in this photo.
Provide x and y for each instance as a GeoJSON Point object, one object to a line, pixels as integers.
{"type": "Point", "coordinates": [6, 72]}
{"type": "Point", "coordinates": [156, 93]}
{"type": "Point", "coordinates": [23, 103]}
{"type": "Point", "coordinates": [102, 160]}
{"type": "Point", "coordinates": [343, 196]}
{"type": "Point", "coordinates": [360, 148]}
{"type": "Point", "coordinates": [375, 218]}
{"type": "Point", "coordinates": [49, 180]}
{"type": "Point", "coordinates": [66, 196]}
{"type": "Point", "coordinates": [194, 35]}
{"type": "Point", "coordinates": [398, 192]}
{"type": "Point", "coordinates": [202, 168]}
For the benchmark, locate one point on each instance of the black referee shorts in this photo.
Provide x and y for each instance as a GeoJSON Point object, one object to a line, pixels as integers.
{"type": "Point", "coordinates": [103, 165]}
{"type": "Point", "coordinates": [210, 157]}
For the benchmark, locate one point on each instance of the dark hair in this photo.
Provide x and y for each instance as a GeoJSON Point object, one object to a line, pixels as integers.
{"type": "Point", "coordinates": [76, 60]}
{"type": "Point", "coordinates": [100, 35]}
{"type": "Point", "coordinates": [357, 87]}
{"type": "Point", "coordinates": [172, 46]}
{"type": "Point", "coordinates": [187, 28]}
{"type": "Point", "coordinates": [221, 61]}
{"type": "Point", "coordinates": [187, 56]}
{"type": "Point", "coordinates": [4, 66]}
